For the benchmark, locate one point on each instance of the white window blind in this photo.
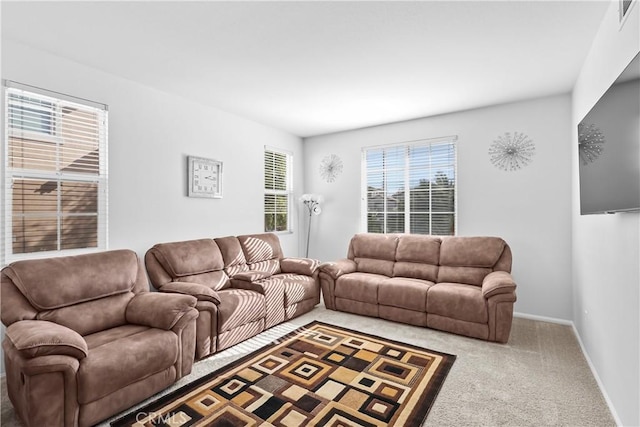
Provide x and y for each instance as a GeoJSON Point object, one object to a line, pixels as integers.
{"type": "Point", "coordinates": [277, 190]}
{"type": "Point", "coordinates": [55, 181]}
{"type": "Point", "coordinates": [410, 188]}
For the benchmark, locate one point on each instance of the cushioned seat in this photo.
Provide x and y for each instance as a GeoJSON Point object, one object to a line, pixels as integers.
{"type": "Point", "coordinates": [358, 286]}
{"type": "Point", "coordinates": [458, 301]}
{"type": "Point", "coordinates": [404, 293]}
{"type": "Point", "coordinates": [142, 354]}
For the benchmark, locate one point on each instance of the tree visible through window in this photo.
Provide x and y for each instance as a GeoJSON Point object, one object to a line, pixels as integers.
{"type": "Point", "coordinates": [277, 190]}
{"type": "Point", "coordinates": [411, 188]}
{"type": "Point", "coordinates": [56, 178]}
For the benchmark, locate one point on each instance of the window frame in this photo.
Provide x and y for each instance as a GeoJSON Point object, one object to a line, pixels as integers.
{"type": "Point", "coordinates": [60, 177]}
{"type": "Point", "coordinates": [407, 145]}
{"type": "Point", "coordinates": [287, 192]}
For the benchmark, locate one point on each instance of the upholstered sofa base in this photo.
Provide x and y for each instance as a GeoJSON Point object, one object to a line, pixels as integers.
{"type": "Point", "coordinates": [239, 334]}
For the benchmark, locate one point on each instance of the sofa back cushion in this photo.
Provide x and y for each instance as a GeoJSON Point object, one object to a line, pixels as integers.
{"type": "Point", "coordinates": [91, 316]}
{"type": "Point", "coordinates": [64, 281]}
{"type": "Point", "coordinates": [374, 253]}
{"type": "Point", "coordinates": [469, 259]}
{"type": "Point", "coordinates": [196, 261]}
{"type": "Point", "coordinates": [232, 254]}
{"type": "Point", "coordinates": [262, 252]}
{"type": "Point", "coordinates": [417, 257]}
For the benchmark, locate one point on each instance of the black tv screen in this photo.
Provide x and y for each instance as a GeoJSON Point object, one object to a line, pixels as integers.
{"type": "Point", "coordinates": [609, 148]}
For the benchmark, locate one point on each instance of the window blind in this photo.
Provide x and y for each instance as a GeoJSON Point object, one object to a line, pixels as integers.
{"type": "Point", "coordinates": [410, 188]}
{"type": "Point", "coordinates": [277, 185]}
{"type": "Point", "coordinates": [55, 183]}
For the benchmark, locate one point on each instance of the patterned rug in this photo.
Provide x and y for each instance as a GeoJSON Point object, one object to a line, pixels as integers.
{"type": "Point", "coordinates": [318, 375]}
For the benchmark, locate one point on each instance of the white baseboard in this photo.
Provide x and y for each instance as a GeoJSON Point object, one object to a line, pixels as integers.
{"type": "Point", "coordinates": [543, 318]}
{"type": "Point", "coordinates": [596, 376]}
{"type": "Point", "coordinates": [584, 352]}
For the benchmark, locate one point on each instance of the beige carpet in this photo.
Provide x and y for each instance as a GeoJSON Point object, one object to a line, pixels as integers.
{"type": "Point", "coordinates": [539, 378]}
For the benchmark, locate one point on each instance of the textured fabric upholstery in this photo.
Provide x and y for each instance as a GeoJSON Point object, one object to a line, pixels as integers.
{"type": "Point", "coordinates": [457, 284]}
{"type": "Point", "coordinates": [255, 287]}
{"type": "Point", "coordinates": [65, 354]}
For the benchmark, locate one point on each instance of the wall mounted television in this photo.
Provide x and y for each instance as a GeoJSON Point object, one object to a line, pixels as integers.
{"type": "Point", "coordinates": [609, 148]}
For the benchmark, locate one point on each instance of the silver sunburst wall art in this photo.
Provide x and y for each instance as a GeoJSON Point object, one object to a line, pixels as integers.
{"type": "Point", "coordinates": [590, 143]}
{"type": "Point", "coordinates": [330, 167]}
{"type": "Point", "coordinates": [511, 152]}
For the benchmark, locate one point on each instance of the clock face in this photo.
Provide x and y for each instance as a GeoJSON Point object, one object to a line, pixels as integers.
{"type": "Point", "coordinates": [205, 178]}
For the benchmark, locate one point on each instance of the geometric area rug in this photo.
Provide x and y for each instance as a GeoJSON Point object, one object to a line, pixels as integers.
{"type": "Point", "coordinates": [317, 375]}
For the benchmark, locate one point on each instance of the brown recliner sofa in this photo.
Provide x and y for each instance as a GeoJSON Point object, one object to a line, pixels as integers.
{"type": "Point", "coordinates": [85, 338]}
{"type": "Point", "coordinates": [456, 284]}
{"type": "Point", "coordinates": [243, 284]}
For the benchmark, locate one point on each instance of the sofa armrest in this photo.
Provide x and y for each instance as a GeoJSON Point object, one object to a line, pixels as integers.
{"type": "Point", "coordinates": [304, 266]}
{"type": "Point", "coordinates": [159, 310]}
{"type": "Point", "coordinates": [247, 284]}
{"type": "Point", "coordinates": [338, 268]}
{"type": "Point", "coordinates": [201, 292]}
{"type": "Point", "coordinates": [497, 282]}
{"type": "Point", "coordinates": [33, 338]}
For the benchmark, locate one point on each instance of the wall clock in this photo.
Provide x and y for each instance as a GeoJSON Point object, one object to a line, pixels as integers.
{"type": "Point", "coordinates": [330, 167]}
{"type": "Point", "coordinates": [204, 177]}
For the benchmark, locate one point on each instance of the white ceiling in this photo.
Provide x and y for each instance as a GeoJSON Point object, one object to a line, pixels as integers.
{"type": "Point", "coordinates": [318, 67]}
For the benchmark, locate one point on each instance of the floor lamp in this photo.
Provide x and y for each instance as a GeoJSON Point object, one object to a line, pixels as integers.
{"type": "Point", "coordinates": [312, 202]}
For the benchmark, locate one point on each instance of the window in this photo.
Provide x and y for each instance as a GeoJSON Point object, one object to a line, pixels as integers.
{"type": "Point", "coordinates": [55, 182]}
{"type": "Point", "coordinates": [277, 190]}
{"type": "Point", "coordinates": [410, 188]}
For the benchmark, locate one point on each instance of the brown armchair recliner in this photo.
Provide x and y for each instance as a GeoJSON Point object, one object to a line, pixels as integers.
{"type": "Point", "coordinates": [85, 338]}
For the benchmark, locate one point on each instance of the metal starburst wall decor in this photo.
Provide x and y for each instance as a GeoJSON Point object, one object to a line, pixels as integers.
{"type": "Point", "coordinates": [330, 167]}
{"type": "Point", "coordinates": [590, 143]}
{"type": "Point", "coordinates": [512, 152]}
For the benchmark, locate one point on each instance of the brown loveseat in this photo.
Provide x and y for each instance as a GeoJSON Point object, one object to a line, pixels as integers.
{"type": "Point", "coordinates": [243, 284]}
{"type": "Point", "coordinates": [457, 284]}
{"type": "Point", "coordinates": [86, 340]}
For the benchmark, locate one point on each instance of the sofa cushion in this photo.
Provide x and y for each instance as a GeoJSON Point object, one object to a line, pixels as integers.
{"type": "Point", "coordinates": [374, 246]}
{"type": "Point", "coordinates": [190, 257]}
{"type": "Point", "coordinates": [457, 301]}
{"type": "Point", "coordinates": [260, 247]}
{"type": "Point", "coordinates": [415, 270]}
{"type": "Point", "coordinates": [104, 337]}
{"type": "Point", "coordinates": [91, 316]}
{"type": "Point", "coordinates": [215, 280]}
{"type": "Point", "coordinates": [271, 266]}
{"type": "Point", "coordinates": [232, 254]}
{"type": "Point", "coordinates": [471, 251]}
{"type": "Point", "coordinates": [58, 282]}
{"type": "Point", "coordinates": [138, 356]}
{"type": "Point", "coordinates": [419, 249]}
{"type": "Point", "coordinates": [466, 275]}
{"type": "Point", "coordinates": [359, 287]}
{"type": "Point", "coordinates": [239, 307]}
{"type": "Point", "coordinates": [404, 293]}
{"type": "Point", "coordinates": [374, 266]}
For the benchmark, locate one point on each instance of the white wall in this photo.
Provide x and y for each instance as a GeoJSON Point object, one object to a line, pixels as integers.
{"type": "Point", "coordinates": [606, 248]}
{"type": "Point", "coordinates": [150, 135]}
{"type": "Point", "coordinates": [529, 208]}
